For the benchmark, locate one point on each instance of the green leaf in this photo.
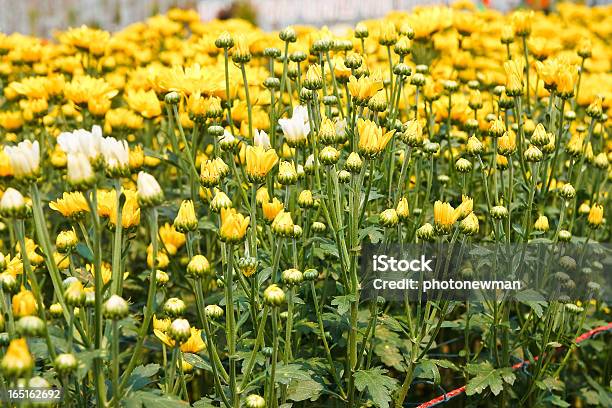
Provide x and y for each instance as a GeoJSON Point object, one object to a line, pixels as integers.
{"type": "Point", "coordinates": [556, 401]}
{"type": "Point", "coordinates": [286, 373]}
{"type": "Point", "coordinates": [152, 399]}
{"type": "Point", "coordinates": [140, 377]}
{"type": "Point", "coordinates": [84, 251]}
{"type": "Point", "coordinates": [428, 370]}
{"type": "Point", "coordinates": [343, 303]}
{"type": "Point", "coordinates": [302, 390]}
{"type": "Point", "coordinates": [197, 361]}
{"type": "Point", "coordinates": [532, 299]}
{"type": "Point", "coordinates": [485, 379]}
{"type": "Point", "coordinates": [378, 386]}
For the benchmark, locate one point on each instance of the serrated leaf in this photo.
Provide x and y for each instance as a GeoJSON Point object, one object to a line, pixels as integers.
{"type": "Point", "coordinates": [197, 361]}
{"type": "Point", "coordinates": [140, 377]}
{"type": "Point", "coordinates": [304, 390]}
{"type": "Point", "coordinates": [151, 399]}
{"type": "Point", "coordinates": [343, 303]}
{"type": "Point", "coordinates": [378, 386]}
{"type": "Point", "coordinates": [428, 370]}
{"type": "Point", "coordinates": [491, 379]}
{"type": "Point", "coordinates": [287, 373]}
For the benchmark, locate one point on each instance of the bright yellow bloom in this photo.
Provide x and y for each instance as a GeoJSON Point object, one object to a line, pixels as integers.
{"type": "Point", "coordinates": [186, 219]}
{"type": "Point", "coordinates": [144, 102]}
{"type": "Point", "coordinates": [444, 216]}
{"type": "Point", "coordinates": [71, 205]}
{"type": "Point", "coordinates": [271, 209]}
{"type": "Point", "coordinates": [17, 360]}
{"type": "Point", "coordinates": [86, 39]}
{"type": "Point", "coordinates": [233, 225]}
{"type": "Point", "coordinates": [466, 207]}
{"type": "Point", "coordinates": [596, 215]}
{"type": "Point", "coordinates": [514, 76]}
{"type": "Point", "coordinates": [259, 162]}
{"type": "Point", "coordinates": [364, 88]}
{"type": "Point", "coordinates": [372, 139]}
{"type": "Point", "coordinates": [24, 304]}
{"type": "Point", "coordinates": [171, 238]}
{"type": "Point", "coordinates": [194, 344]}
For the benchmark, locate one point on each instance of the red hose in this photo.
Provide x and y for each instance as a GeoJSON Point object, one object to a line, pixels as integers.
{"type": "Point", "coordinates": [461, 390]}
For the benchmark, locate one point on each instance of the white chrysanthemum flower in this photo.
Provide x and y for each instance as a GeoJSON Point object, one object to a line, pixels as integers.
{"type": "Point", "coordinates": [24, 158]}
{"type": "Point", "coordinates": [262, 139]}
{"type": "Point", "coordinates": [297, 128]}
{"type": "Point", "coordinates": [149, 191]}
{"type": "Point", "coordinates": [12, 201]}
{"type": "Point", "coordinates": [82, 141]}
{"type": "Point", "coordinates": [79, 171]}
{"type": "Point", "coordinates": [116, 154]}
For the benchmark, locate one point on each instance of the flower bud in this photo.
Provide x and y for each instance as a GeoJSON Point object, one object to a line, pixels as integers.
{"type": "Point", "coordinates": [149, 191]}
{"type": "Point", "coordinates": [186, 219]}
{"type": "Point", "coordinates": [595, 218]}
{"type": "Point", "coordinates": [431, 148]}
{"type": "Point", "coordinates": [601, 161]}
{"type": "Point", "coordinates": [12, 204]}
{"type": "Point", "coordinates": [31, 326]}
{"type": "Point", "coordinates": [254, 401]}
{"type": "Point", "coordinates": [224, 40]}
{"type": "Point", "coordinates": [179, 330]}
{"type": "Point", "coordinates": [329, 155]}
{"type": "Point", "coordinates": [220, 201]}
{"type": "Point", "coordinates": [567, 191]}
{"type": "Point", "coordinates": [402, 209]}
{"type": "Point", "coordinates": [311, 275]}
{"type": "Point", "coordinates": [314, 79]}
{"type": "Point", "coordinates": [463, 166]}
{"type": "Point", "coordinates": [247, 265]}
{"type": "Point", "coordinates": [389, 218]}
{"type": "Point", "coordinates": [214, 311]}
{"type": "Point", "coordinates": [198, 266]}
{"type": "Point", "coordinates": [116, 308]}
{"type": "Point", "coordinates": [174, 307]}
{"type": "Point", "coordinates": [541, 224]}
{"type": "Point", "coordinates": [353, 163]}
{"type": "Point", "coordinates": [288, 34]}
{"type": "Point", "coordinates": [474, 146]}
{"type": "Point", "coordinates": [499, 212]}
{"type": "Point", "coordinates": [361, 31]}
{"type": "Point", "coordinates": [17, 361]}
{"type": "Point", "coordinates": [305, 199]}
{"type": "Point", "coordinates": [287, 174]}
{"type": "Point", "coordinates": [274, 296]}
{"type": "Point", "coordinates": [172, 98]}
{"type": "Point", "coordinates": [344, 176]}
{"type": "Point", "coordinates": [65, 363]}
{"type": "Point", "coordinates": [56, 310]}
{"type": "Point", "coordinates": [565, 236]}
{"type": "Point", "coordinates": [318, 227]}
{"type": "Point", "coordinates": [426, 232]}
{"type": "Point", "coordinates": [161, 278]}
{"type": "Point", "coordinates": [533, 154]}
{"type": "Point", "coordinates": [292, 277]}
{"type": "Point", "coordinates": [418, 79]}
{"type": "Point", "coordinates": [75, 294]}
{"type": "Point", "coordinates": [9, 282]}
{"type": "Point", "coordinates": [66, 241]}
{"type": "Point", "coordinates": [469, 225]}
{"type": "Point", "coordinates": [283, 224]}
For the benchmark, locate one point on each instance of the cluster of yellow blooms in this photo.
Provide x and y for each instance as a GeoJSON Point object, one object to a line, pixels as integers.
{"type": "Point", "coordinates": [259, 149]}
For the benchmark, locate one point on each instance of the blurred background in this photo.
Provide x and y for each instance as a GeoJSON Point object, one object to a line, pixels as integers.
{"type": "Point", "coordinates": [41, 17]}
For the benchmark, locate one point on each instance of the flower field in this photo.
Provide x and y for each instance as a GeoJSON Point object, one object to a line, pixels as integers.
{"type": "Point", "coordinates": [185, 205]}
